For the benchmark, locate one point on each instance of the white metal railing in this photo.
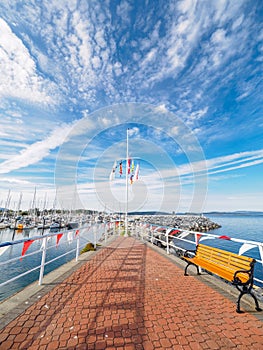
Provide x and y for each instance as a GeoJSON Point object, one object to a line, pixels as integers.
{"type": "Point", "coordinates": [96, 231]}
{"type": "Point", "coordinates": [159, 235]}
{"type": "Point", "coordinates": [180, 242]}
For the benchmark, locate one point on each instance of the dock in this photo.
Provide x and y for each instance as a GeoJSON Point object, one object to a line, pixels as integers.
{"type": "Point", "coordinates": [128, 295]}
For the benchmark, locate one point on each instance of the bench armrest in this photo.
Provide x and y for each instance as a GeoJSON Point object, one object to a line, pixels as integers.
{"type": "Point", "coordinates": [186, 253]}
{"type": "Point", "coordinates": [236, 280]}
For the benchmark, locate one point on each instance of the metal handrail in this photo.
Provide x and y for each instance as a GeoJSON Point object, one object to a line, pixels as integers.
{"type": "Point", "coordinates": [44, 248]}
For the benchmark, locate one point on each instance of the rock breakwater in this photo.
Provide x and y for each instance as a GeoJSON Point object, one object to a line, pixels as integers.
{"type": "Point", "coordinates": [184, 222]}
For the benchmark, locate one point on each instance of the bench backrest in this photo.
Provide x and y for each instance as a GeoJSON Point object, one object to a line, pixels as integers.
{"type": "Point", "coordinates": [224, 258]}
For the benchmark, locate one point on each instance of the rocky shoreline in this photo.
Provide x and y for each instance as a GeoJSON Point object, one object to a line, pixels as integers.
{"type": "Point", "coordinates": [184, 222]}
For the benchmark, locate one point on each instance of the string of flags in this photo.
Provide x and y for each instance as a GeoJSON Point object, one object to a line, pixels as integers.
{"type": "Point", "coordinates": [133, 171]}
{"type": "Point", "coordinates": [28, 243]}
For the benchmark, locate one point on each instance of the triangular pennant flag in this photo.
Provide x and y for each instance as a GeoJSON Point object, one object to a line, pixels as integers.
{"type": "Point", "coordinates": [26, 245]}
{"type": "Point", "coordinates": [261, 253]}
{"type": "Point", "coordinates": [137, 172]}
{"type": "Point", "coordinates": [3, 249]}
{"type": "Point", "coordinates": [197, 238]}
{"type": "Point", "coordinates": [132, 166]}
{"type": "Point", "coordinates": [42, 245]}
{"type": "Point", "coordinates": [245, 247]}
{"type": "Point", "coordinates": [77, 232]}
{"type": "Point", "coordinates": [112, 174]}
{"type": "Point", "coordinates": [206, 237]}
{"type": "Point", "coordinates": [225, 237]}
{"type": "Point", "coordinates": [59, 236]}
{"type": "Point", "coordinates": [70, 237]}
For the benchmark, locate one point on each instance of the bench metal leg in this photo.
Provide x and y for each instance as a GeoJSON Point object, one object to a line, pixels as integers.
{"type": "Point", "coordinates": [243, 292]}
{"type": "Point", "coordinates": [185, 270]}
{"type": "Point", "coordinates": [197, 268]}
{"type": "Point", "coordinates": [256, 301]}
{"type": "Point", "coordinates": [238, 302]}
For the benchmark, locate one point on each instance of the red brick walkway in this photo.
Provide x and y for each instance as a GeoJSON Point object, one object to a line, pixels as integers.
{"type": "Point", "coordinates": [130, 297]}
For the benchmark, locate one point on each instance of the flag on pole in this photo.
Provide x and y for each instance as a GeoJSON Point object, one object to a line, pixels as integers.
{"type": "Point", "coordinates": [129, 166]}
{"type": "Point", "coordinates": [132, 167]}
{"type": "Point", "coordinates": [137, 171]}
{"type": "Point", "coordinates": [131, 179]}
{"type": "Point", "coordinates": [120, 168]}
{"type": "Point", "coordinates": [112, 174]}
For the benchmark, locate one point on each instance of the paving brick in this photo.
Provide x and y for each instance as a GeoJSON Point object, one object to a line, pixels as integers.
{"type": "Point", "coordinates": [6, 345]}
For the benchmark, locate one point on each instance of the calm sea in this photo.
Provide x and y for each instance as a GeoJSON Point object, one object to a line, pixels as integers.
{"type": "Point", "coordinates": [248, 227]}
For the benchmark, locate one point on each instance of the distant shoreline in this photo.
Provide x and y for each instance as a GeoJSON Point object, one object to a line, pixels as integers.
{"type": "Point", "coordinates": [239, 212]}
{"type": "Point", "coordinates": [244, 213]}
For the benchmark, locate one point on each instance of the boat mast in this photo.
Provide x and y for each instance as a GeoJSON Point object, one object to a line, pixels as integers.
{"type": "Point", "coordinates": [8, 199]}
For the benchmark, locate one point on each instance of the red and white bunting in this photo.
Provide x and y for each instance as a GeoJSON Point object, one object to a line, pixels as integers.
{"type": "Point", "coordinates": [245, 247]}
{"type": "Point", "coordinates": [26, 245]}
{"type": "Point", "coordinates": [59, 236]}
{"type": "Point", "coordinates": [3, 249]}
{"type": "Point", "coordinates": [70, 237]}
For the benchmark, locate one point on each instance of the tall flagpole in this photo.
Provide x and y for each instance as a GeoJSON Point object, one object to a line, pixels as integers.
{"type": "Point", "coordinates": [127, 194]}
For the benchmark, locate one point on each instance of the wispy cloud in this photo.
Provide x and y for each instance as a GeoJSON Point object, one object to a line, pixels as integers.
{"type": "Point", "coordinates": [36, 151]}
{"type": "Point", "coordinates": [217, 165]}
{"type": "Point", "coordinates": [19, 76]}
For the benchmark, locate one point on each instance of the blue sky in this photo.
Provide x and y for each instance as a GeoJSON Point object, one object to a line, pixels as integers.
{"type": "Point", "coordinates": [184, 76]}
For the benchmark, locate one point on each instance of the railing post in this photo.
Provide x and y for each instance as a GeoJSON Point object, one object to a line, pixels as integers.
{"type": "Point", "coordinates": [95, 236]}
{"type": "Point", "coordinates": [77, 248]}
{"type": "Point", "coordinates": [151, 231]}
{"type": "Point", "coordinates": [196, 243]}
{"type": "Point", "coordinates": [43, 260]}
{"type": "Point", "coordinates": [167, 241]}
{"type": "Point", "coordinates": [106, 231]}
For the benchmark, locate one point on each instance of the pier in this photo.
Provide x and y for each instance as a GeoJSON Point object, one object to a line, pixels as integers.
{"type": "Point", "coordinates": [128, 295]}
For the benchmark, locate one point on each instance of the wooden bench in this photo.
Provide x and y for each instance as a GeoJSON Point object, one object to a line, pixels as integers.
{"type": "Point", "coordinates": [237, 269]}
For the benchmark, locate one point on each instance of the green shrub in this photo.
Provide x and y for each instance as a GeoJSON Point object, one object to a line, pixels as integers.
{"type": "Point", "coordinates": [88, 248]}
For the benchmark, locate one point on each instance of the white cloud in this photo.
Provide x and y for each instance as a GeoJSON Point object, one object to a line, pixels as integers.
{"type": "Point", "coordinates": [18, 72]}
{"type": "Point", "coordinates": [217, 165]}
{"type": "Point", "coordinates": [161, 109]}
{"type": "Point", "coordinates": [36, 151]}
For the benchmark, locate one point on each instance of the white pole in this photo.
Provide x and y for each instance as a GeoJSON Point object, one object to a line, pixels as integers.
{"type": "Point", "coordinates": [95, 235]}
{"type": "Point", "coordinates": [43, 260]}
{"type": "Point", "coordinates": [77, 248]}
{"type": "Point", "coordinates": [127, 194]}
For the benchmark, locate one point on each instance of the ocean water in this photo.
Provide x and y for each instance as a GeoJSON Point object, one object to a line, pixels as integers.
{"type": "Point", "coordinates": [248, 227]}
